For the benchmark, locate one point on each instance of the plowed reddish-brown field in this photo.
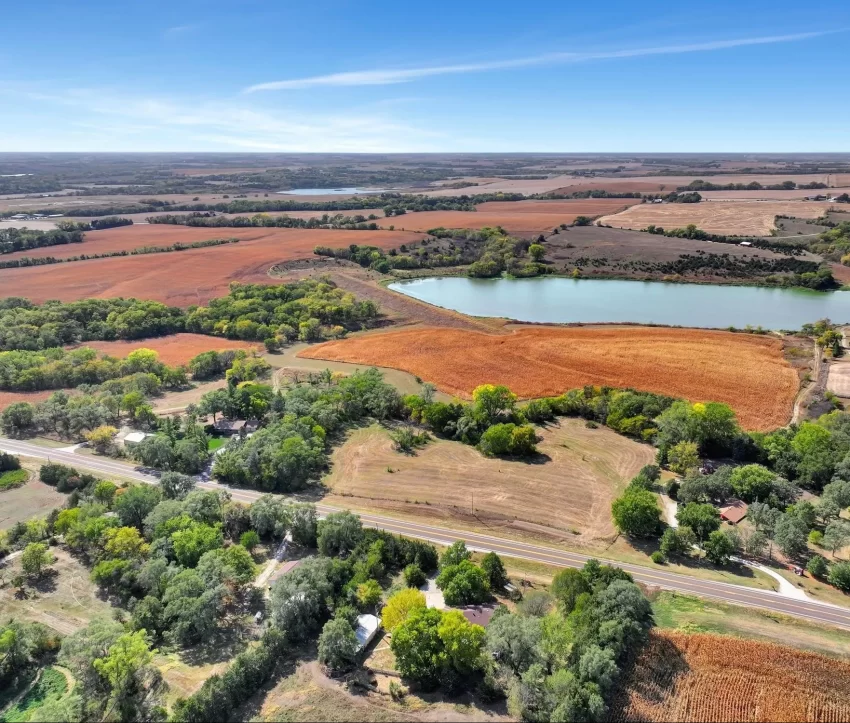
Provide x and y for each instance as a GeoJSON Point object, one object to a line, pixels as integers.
{"type": "Point", "coordinates": [174, 349]}
{"type": "Point", "coordinates": [7, 398]}
{"type": "Point", "coordinates": [682, 677]}
{"type": "Point", "coordinates": [746, 372]}
{"type": "Point", "coordinates": [182, 278]}
{"type": "Point", "coordinates": [523, 218]}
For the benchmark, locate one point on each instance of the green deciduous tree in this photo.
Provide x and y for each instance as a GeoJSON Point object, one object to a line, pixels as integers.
{"type": "Point", "coordinates": [703, 519]}
{"type": "Point", "coordinates": [338, 645]}
{"type": "Point", "coordinates": [35, 559]}
{"type": "Point", "coordinates": [637, 513]}
{"type": "Point", "coordinates": [399, 606]}
{"type": "Point", "coordinates": [463, 584]}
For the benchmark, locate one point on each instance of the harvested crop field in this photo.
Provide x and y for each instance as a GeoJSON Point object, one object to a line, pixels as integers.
{"type": "Point", "coordinates": [174, 349]}
{"type": "Point", "coordinates": [735, 218]}
{"type": "Point", "coordinates": [522, 218]}
{"type": "Point", "coordinates": [187, 277]}
{"type": "Point", "coordinates": [682, 677]}
{"type": "Point", "coordinates": [746, 372]}
{"type": "Point", "coordinates": [584, 469]}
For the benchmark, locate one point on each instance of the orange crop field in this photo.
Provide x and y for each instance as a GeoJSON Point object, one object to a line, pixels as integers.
{"type": "Point", "coordinates": [682, 677]}
{"type": "Point", "coordinates": [736, 218]}
{"type": "Point", "coordinates": [186, 277]}
{"type": "Point", "coordinates": [173, 349]}
{"type": "Point", "coordinates": [744, 371]}
{"type": "Point", "coordinates": [522, 218]}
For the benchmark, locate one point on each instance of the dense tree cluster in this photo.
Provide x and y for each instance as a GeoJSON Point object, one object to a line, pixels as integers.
{"type": "Point", "coordinates": [306, 310]}
{"type": "Point", "coordinates": [24, 325]}
{"type": "Point", "coordinates": [493, 421]}
{"type": "Point", "coordinates": [58, 368]}
{"type": "Point", "coordinates": [263, 220]}
{"type": "Point", "coordinates": [292, 447]}
{"type": "Point", "coordinates": [24, 239]}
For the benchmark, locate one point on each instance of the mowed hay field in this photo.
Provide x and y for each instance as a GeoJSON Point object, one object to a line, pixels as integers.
{"type": "Point", "coordinates": [746, 372]}
{"type": "Point", "coordinates": [66, 601]}
{"type": "Point", "coordinates": [685, 677]}
{"type": "Point", "coordinates": [735, 218]}
{"type": "Point", "coordinates": [174, 349]}
{"type": "Point", "coordinates": [521, 218]}
{"type": "Point", "coordinates": [186, 277]}
{"type": "Point", "coordinates": [581, 470]}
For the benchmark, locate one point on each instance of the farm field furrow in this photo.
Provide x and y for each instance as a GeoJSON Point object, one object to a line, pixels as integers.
{"type": "Point", "coordinates": [747, 372]}
{"type": "Point", "coordinates": [183, 278]}
{"type": "Point", "coordinates": [687, 677]}
{"type": "Point", "coordinates": [736, 218]}
{"type": "Point", "coordinates": [588, 467]}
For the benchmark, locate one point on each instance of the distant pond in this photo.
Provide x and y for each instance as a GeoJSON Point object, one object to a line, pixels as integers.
{"type": "Point", "coordinates": [329, 191]}
{"type": "Point", "coordinates": [559, 300]}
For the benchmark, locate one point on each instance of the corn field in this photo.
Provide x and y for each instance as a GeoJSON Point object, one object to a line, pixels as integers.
{"type": "Point", "coordinates": [685, 677]}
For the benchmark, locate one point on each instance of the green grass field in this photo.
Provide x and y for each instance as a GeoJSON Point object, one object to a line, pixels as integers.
{"type": "Point", "coordinates": [51, 686]}
{"type": "Point", "coordinates": [696, 615]}
{"type": "Point", "coordinates": [13, 478]}
{"type": "Point", "coordinates": [216, 443]}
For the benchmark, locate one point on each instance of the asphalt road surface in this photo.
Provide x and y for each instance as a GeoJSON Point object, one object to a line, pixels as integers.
{"type": "Point", "coordinates": [727, 592]}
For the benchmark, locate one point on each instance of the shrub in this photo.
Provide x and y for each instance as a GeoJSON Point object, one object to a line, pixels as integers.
{"type": "Point", "coordinates": [8, 462]}
{"type": "Point", "coordinates": [413, 576]}
{"type": "Point", "coordinates": [249, 540]}
{"type": "Point", "coordinates": [839, 575]}
{"type": "Point", "coordinates": [657, 558]}
{"type": "Point", "coordinates": [818, 567]}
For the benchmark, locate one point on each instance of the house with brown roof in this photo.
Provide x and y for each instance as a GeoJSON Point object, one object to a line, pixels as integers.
{"type": "Point", "coordinates": [734, 512]}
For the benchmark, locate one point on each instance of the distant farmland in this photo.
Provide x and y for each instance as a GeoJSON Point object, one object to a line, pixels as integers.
{"type": "Point", "coordinates": [682, 677]}
{"type": "Point", "coordinates": [521, 218]}
{"type": "Point", "coordinates": [188, 277]}
{"type": "Point", "coordinates": [736, 218]}
{"type": "Point", "coordinates": [746, 372]}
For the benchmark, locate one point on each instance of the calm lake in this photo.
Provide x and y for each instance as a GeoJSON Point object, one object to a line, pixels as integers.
{"type": "Point", "coordinates": [328, 191]}
{"type": "Point", "coordinates": [557, 300]}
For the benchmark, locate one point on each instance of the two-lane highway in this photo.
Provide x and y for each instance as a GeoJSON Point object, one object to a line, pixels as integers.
{"type": "Point", "coordinates": [727, 592]}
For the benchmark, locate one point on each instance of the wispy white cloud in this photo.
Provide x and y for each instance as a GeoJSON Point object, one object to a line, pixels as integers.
{"type": "Point", "coordinates": [389, 77]}
{"type": "Point", "coordinates": [179, 30]}
{"type": "Point", "coordinates": [150, 123]}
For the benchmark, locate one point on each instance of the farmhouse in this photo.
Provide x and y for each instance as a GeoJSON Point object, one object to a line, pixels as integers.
{"type": "Point", "coordinates": [367, 628]}
{"type": "Point", "coordinates": [479, 614]}
{"type": "Point", "coordinates": [734, 512]}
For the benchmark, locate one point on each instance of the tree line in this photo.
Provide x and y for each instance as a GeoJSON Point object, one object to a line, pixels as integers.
{"type": "Point", "coordinates": [13, 240]}
{"type": "Point", "coordinates": [308, 310]}
{"type": "Point", "coordinates": [142, 250]}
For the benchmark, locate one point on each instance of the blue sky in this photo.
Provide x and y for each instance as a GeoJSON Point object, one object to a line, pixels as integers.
{"type": "Point", "coordinates": [438, 76]}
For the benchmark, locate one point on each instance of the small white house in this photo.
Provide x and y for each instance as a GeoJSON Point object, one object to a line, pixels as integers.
{"type": "Point", "coordinates": [745, 243]}
{"type": "Point", "coordinates": [367, 628]}
{"type": "Point", "coordinates": [135, 437]}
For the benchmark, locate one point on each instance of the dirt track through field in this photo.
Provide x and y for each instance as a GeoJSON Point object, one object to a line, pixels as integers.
{"type": "Point", "coordinates": [186, 277]}
{"type": "Point", "coordinates": [747, 372]}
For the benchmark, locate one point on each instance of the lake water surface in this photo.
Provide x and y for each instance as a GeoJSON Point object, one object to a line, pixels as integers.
{"type": "Point", "coordinates": [558, 300]}
{"type": "Point", "coordinates": [329, 191]}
